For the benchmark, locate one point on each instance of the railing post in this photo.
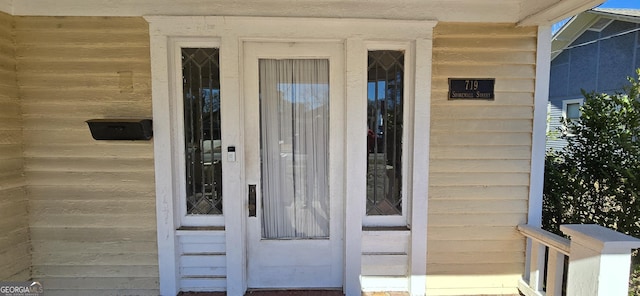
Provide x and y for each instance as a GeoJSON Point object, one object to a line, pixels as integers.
{"type": "Point", "coordinates": [600, 260]}
{"type": "Point", "coordinates": [537, 266]}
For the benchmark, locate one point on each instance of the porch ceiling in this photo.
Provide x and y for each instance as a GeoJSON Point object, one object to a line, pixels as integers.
{"type": "Point", "coordinates": [523, 12]}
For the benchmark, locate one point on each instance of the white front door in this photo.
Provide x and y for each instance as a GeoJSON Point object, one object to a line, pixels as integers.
{"type": "Point", "coordinates": [294, 145]}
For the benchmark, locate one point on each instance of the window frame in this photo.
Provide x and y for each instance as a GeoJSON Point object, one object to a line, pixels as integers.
{"type": "Point", "coordinates": [407, 131]}
{"type": "Point", "coordinates": [177, 123]}
{"type": "Point", "coordinates": [565, 104]}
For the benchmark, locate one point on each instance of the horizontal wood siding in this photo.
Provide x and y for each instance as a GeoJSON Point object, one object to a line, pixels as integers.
{"type": "Point", "coordinates": [92, 202]}
{"type": "Point", "coordinates": [480, 159]}
{"type": "Point", "coordinates": [15, 250]}
{"type": "Point", "coordinates": [203, 261]}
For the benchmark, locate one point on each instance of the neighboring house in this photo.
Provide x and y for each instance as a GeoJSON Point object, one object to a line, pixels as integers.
{"type": "Point", "coordinates": [262, 172]}
{"type": "Point", "coordinates": [594, 51]}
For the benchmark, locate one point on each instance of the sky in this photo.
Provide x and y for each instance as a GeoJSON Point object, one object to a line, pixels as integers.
{"type": "Point", "coordinates": [608, 4]}
{"type": "Point", "coordinates": [621, 4]}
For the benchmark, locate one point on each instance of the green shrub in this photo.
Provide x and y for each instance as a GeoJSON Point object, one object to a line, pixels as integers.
{"type": "Point", "coordinates": [596, 177]}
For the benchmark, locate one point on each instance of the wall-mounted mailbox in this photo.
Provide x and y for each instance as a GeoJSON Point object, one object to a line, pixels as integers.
{"type": "Point", "coordinates": [120, 129]}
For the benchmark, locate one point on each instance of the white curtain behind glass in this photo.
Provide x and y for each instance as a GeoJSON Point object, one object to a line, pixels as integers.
{"type": "Point", "coordinates": [294, 112]}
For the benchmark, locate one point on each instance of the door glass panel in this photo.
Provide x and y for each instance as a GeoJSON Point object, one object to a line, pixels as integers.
{"type": "Point", "coordinates": [201, 94]}
{"type": "Point", "coordinates": [385, 105]}
{"type": "Point", "coordinates": [294, 127]}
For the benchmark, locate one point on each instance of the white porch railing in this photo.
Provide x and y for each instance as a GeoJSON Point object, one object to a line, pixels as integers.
{"type": "Point", "coordinates": [599, 261]}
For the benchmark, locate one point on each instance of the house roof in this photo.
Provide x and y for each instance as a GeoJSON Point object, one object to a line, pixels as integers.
{"type": "Point", "coordinates": [522, 12]}
{"type": "Point", "coordinates": [590, 19]}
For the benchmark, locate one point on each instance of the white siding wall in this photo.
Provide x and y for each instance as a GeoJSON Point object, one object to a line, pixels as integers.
{"type": "Point", "coordinates": [480, 159]}
{"type": "Point", "coordinates": [92, 203]}
{"type": "Point", "coordinates": [15, 257]}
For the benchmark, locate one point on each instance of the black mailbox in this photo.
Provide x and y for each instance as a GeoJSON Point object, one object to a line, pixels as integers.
{"type": "Point", "coordinates": [120, 129]}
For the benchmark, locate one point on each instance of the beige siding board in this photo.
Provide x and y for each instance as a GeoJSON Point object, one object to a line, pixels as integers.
{"type": "Point", "coordinates": [479, 139]}
{"type": "Point", "coordinates": [478, 125]}
{"type": "Point", "coordinates": [11, 165]}
{"type": "Point", "coordinates": [440, 246]}
{"type": "Point", "coordinates": [15, 237]}
{"type": "Point", "coordinates": [10, 109]}
{"type": "Point", "coordinates": [485, 44]}
{"type": "Point", "coordinates": [91, 38]}
{"type": "Point", "coordinates": [10, 137]}
{"type": "Point", "coordinates": [74, 207]}
{"type": "Point", "coordinates": [88, 178]}
{"type": "Point", "coordinates": [100, 283]}
{"type": "Point", "coordinates": [492, 219]}
{"type": "Point", "coordinates": [98, 258]}
{"type": "Point", "coordinates": [92, 234]}
{"type": "Point", "coordinates": [476, 269]}
{"type": "Point", "coordinates": [73, 96]}
{"type": "Point", "coordinates": [11, 182]}
{"type": "Point", "coordinates": [468, 207]}
{"type": "Point", "coordinates": [69, 24]}
{"type": "Point", "coordinates": [48, 54]}
{"type": "Point", "coordinates": [145, 220]}
{"type": "Point", "coordinates": [97, 192]}
{"type": "Point", "coordinates": [111, 247]}
{"type": "Point", "coordinates": [479, 179]}
{"type": "Point", "coordinates": [520, 152]}
{"type": "Point", "coordinates": [15, 259]}
{"type": "Point", "coordinates": [467, 233]}
{"type": "Point", "coordinates": [78, 164]}
{"type": "Point", "coordinates": [76, 82]}
{"type": "Point", "coordinates": [12, 196]}
{"type": "Point", "coordinates": [484, 111]}
{"type": "Point", "coordinates": [487, 257]}
{"type": "Point", "coordinates": [95, 149]}
{"type": "Point", "coordinates": [13, 211]}
{"type": "Point", "coordinates": [22, 276]}
{"type": "Point", "coordinates": [481, 192]}
{"type": "Point", "coordinates": [473, 57]}
{"type": "Point", "coordinates": [90, 111]}
{"type": "Point", "coordinates": [82, 67]}
{"type": "Point", "coordinates": [497, 71]}
{"type": "Point", "coordinates": [484, 165]}
{"type": "Point", "coordinates": [10, 123]}
{"type": "Point", "coordinates": [105, 271]}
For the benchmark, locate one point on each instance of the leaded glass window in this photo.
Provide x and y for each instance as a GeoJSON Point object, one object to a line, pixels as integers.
{"type": "Point", "coordinates": [201, 102]}
{"type": "Point", "coordinates": [385, 103]}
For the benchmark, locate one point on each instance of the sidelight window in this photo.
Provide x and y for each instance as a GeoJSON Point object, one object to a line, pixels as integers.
{"type": "Point", "coordinates": [202, 140]}
{"type": "Point", "coordinates": [385, 122]}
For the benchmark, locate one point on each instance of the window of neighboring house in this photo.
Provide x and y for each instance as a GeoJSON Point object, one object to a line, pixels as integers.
{"type": "Point", "coordinates": [570, 112]}
{"type": "Point", "coordinates": [385, 194]}
{"type": "Point", "coordinates": [202, 137]}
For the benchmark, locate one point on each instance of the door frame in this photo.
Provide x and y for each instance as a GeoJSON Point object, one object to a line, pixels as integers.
{"type": "Point", "coordinates": [231, 32]}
